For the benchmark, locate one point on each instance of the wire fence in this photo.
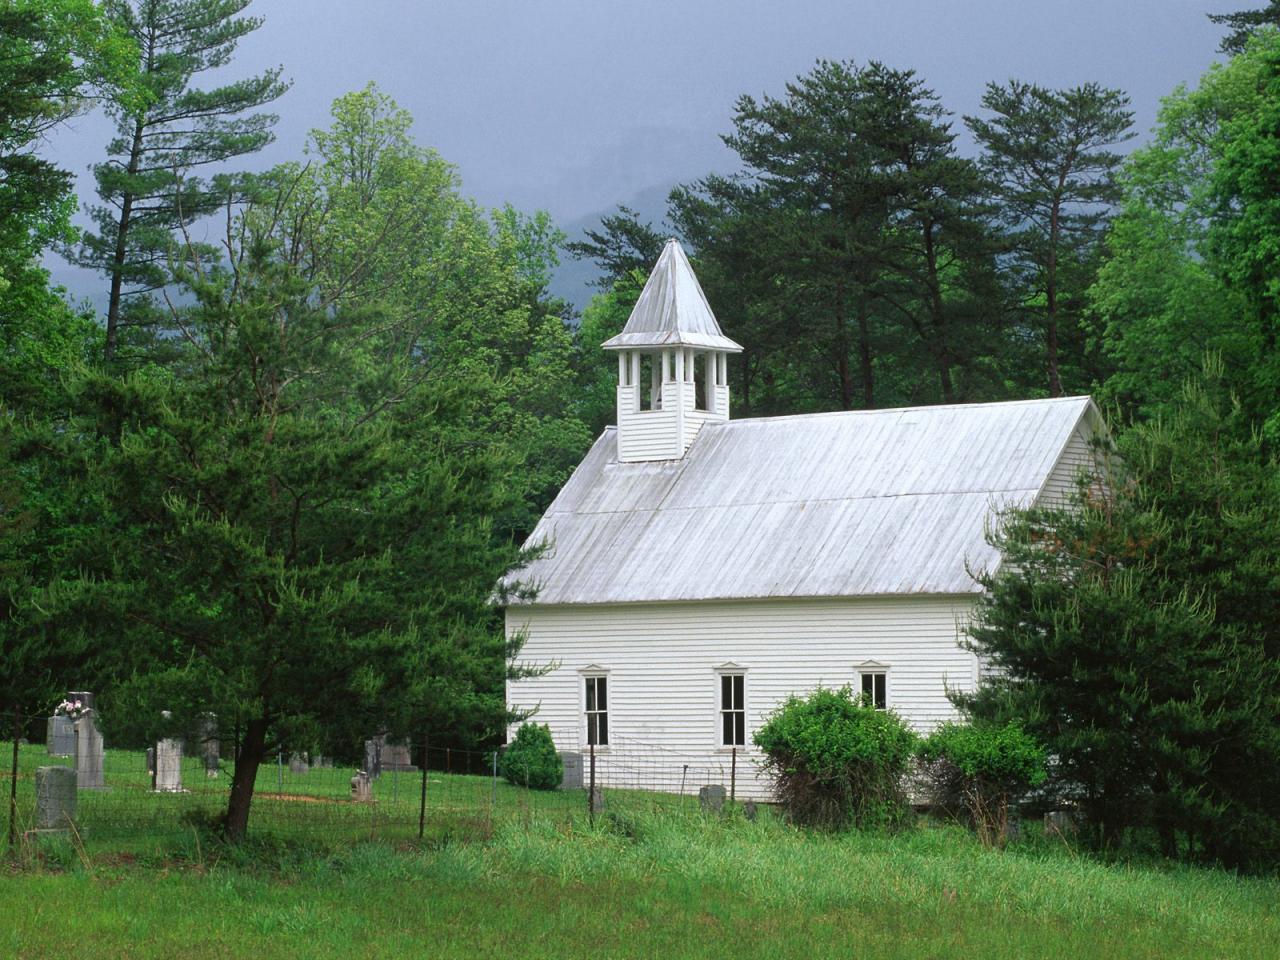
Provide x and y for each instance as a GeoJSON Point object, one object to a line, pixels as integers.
{"type": "Point", "coordinates": [396, 791]}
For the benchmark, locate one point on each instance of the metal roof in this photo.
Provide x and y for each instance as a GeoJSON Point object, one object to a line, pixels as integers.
{"type": "Point", "coordinates": [866, 503]}
{"type": "Point", "coordinates": [672, 310]}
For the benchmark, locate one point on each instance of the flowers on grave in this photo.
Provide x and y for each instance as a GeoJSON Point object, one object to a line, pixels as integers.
{"type": "Point", "coordinates": [74, 709]}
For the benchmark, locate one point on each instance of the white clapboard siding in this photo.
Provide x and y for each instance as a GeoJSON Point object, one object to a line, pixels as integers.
{"type": "Point", "coordinates": [662, 662]}
{"type": "Point", "coordinates": [1079, 457]}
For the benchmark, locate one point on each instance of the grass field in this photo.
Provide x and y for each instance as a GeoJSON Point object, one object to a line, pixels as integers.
{"type": "Point", "coordinates": [643, 882]}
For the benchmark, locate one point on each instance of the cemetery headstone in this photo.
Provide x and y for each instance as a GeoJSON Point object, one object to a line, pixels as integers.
{"type": "Point", "coordinates": [711, 798]}
{"type": "Point", "coordinates": [60, 736]}
{"type": "Point", "coordinates": [169, 766]}
{"type": "Point", "coordinates": [89, 754]}
{"type": "Point", "coordinates": [361, 787]}
{"type": "Point", "coordinates": [572, 771]}
{"type": "Point", "coordinates": [210, 748]}
{"type": "Point", "coordinates": [395, 756]}
{"type": "Point", "coordinates": [1060, 822]}
{"type": "Point", "coordinates": [749, 810]}
{"type": "Point", "coordinates": [373, 757]}
{"type": "Point", "coordinates": [298, 763]}
{"type": "Point", "coordinates": [55, 798]}
{"type": "Point", "coordinates": [597, 800]}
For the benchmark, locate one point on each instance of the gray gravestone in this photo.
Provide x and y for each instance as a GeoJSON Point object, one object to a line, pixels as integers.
{"type": "Point", "coordinates": [88, 754]}
{"type": "Point", "coordinates": [373, 757]}
{"type": "Point", "coordinates": [572, 771]}
{"type": "Point", "coordinates": [60, 736]}
{"type": "Point", "coordinates": [1060, 821]}
{"type": "Point", "coordinates": [298, 763]}
{"type": "Point", "coordinates": [711, 797]}
{"type": "Point", "coordinates": [749, 810]}
{"type": "Point", "coordinates": [361, 787]}
{"type": "Point", "coordinates": [55, 798]}
{"type": "Point", "coordinates": [210, 748]}
{"type": "Point", "coordinates": [395, 756]}
{"type": "Point", "coordinates": [169, 766]}
{"type": "Point", "coordinates": [597, 800]}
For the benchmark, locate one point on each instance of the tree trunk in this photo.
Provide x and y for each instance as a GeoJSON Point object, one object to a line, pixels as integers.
{"type": "Point", "coordinates": [1051, 306]}
{"type": "Point", "coordinates": [864, 356]}
{"type": "Point", "coordinates": [938, 317]}
{"type": "Point", "coordinates": [122, 248]}
{"type": "Point", "coordinates": [248, 759]}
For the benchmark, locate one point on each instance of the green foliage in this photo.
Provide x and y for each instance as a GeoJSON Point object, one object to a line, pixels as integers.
{"type": "Point", "coordinates": [1244, 24]}
{"type": "Point", "coordinates": [834, 760]}
{"type": "Point", "coordinates": [1191, 264]}
{"type": "Point", "coordinates": [851, 256]}
{"type": "Point", "coordinates": [620, 247]}
{"type": "Point", "coordinates": [1050, 155]}
{"type": "Point", "coordinates": [983, 768]}
{"type": "Point", "coordinates": [146, 185]}
{"type": "Point", "coordinates": [53, 55]}
{"type": "Point", "coordinates": [1002, 755]}
{"type": "Point", "coordinates": [1133, 632]}
{"type": "Point", "coordinates": [531, 760]}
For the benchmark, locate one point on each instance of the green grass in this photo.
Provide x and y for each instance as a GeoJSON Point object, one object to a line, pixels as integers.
{"type": "Point", "coordinates": [675, 885]}
{"type": "Point", "coordinates": [533, 879]}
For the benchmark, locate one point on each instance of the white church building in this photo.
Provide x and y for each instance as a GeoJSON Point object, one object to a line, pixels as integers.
{"type": "Point", "coordinates": [699, 570]}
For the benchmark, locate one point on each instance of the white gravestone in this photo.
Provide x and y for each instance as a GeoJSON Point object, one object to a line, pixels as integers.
{"type": "Point", "coordinates": [88, 754]}
{"type": "Point", "coordinates": [361, 787]}
{"type": "Point", "coordinates": [169, 766]}
{"type": "Point", "coordinates": [55, 798]}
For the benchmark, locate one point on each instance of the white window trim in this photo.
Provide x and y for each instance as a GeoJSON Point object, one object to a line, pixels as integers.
{"type": "Point", "coordinates": [585, 673]}
{"type": "Point", "coordinates": [875, 666]}
{"type": "Point", "coordinates": [717, 725]}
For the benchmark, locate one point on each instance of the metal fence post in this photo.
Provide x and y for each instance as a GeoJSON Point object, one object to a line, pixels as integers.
{"type": "Point", "coordinates": [13, 782]}
{"type": "Point", "coordinates": [422, 802]}
{"type": "Point", "coordinates": [591, 792]}
{"type": "Point", "coordinates": [733, 773]}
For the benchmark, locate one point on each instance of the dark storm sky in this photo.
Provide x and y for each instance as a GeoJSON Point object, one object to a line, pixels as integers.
{"type": "Point", "coordinates": [575, 106]}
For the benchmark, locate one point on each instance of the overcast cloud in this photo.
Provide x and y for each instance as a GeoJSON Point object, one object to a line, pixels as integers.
{"type": "Point", "coordinates": [574, 106]}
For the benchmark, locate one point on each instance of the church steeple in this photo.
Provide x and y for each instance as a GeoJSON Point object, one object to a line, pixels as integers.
{"type": "Point", "coordinates": [672, 364]}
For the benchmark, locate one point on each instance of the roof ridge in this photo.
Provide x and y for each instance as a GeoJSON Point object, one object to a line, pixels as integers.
{"type": "Point", "coordinates": [887, 410]}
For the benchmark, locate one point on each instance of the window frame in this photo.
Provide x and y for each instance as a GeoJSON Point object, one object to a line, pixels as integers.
{"type": "Point", "coordinates": [585, 675]}
{"type": "Point", "coordinates": [731, 670]}
{"type": "Point", "coordinates": [873, 668]}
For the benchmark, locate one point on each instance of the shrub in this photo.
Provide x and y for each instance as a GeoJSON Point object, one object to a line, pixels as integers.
{"type": "Point", "coordinates": [835, 760]}
{"type": "Point", "coordinates": [530, 760]}
{"type": "Point", "coordinates": [981, 769]}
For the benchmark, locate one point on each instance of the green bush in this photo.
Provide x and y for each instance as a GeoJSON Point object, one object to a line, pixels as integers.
{"type": "Point", "coordinates": [530, 760]}
{"type": "Point", "coordinates": [835, 760]}
{"type": "Point", "coordinates": [981, 769]}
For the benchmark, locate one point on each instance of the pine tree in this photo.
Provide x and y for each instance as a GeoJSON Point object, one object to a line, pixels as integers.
{"type": "Point", "coordinates": [147, 186]}
{"type": "Point", "coordinates": [1243, 24]}
{"type": "Point", "coordinates": [1134, 631]}
{"type": "Point", "coordinates": [1050, 155]}
{"type": "Point", "coordinates": [621, 245]}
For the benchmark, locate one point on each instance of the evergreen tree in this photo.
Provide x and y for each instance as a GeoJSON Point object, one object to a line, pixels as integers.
{"type": "Point", "coordinates": [622, 245]}
{"type": "Point", "coordinates": [1135, 632]}
{"type": "Point", "coordinates": [1050, 155]}
{"type": "Point", "coordinates": [146, 185]}
{"type": "Point", "coordinates": [1243, 24]}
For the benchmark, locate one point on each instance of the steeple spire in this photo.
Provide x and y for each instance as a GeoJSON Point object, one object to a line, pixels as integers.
{"type": "Point", "coordinates": [672, 364]}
